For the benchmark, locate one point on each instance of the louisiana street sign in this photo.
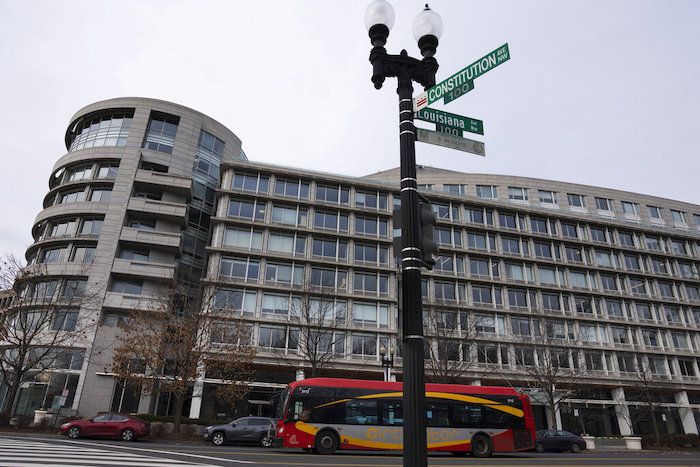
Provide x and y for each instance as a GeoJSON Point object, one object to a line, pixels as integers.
{"type": "Point", "coordinates": [463, 81]}
{"type": "Point", "coordinates": [439, 117]}
{"type": "Point", "coordinates": [449, 141]}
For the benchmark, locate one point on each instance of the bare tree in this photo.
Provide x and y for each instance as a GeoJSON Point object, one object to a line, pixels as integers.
{"type": "Point", "coordinates": [449, 340]}
{"type": "Point", "coordinates": [313, 319]}
{"type": "Point", "coordinates": [546, 350]}
{"type": "Point", "coordinates": [43, 327]}
{"type": "Point", "coordinates": [648, 385]}
{"type": "Point", "coordinates": [166, 348]}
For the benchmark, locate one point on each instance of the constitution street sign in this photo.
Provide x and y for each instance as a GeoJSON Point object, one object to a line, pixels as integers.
{"type": "Point", "coordinates": [439, 117]}
{"type": "Point", "coordinates": [463, 81]}
{"type": "Point", "coordinates": [449, 141]}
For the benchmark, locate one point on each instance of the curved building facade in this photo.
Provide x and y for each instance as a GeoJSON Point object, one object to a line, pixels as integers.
{"type": "Point", "coordinates": [127, 212]}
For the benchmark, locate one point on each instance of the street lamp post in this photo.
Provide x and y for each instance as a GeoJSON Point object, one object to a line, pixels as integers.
{"type": "Point", "coordinates": [427, 27]}
{"type": "Point", "coordinates": [387, 363]}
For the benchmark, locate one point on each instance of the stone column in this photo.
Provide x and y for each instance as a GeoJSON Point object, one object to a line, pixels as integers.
{"type": "Point", "coordinates": [686, 413]}
{"type": "Point", "coordinates": [622, 411]}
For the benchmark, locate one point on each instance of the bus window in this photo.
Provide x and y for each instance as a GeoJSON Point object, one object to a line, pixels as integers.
{"type": "Point", "coordinates": [467, 415]}
{"type": "Point", "coordinates": [361, 412]}
{"type": "Point", "coordinates": [438, 414]}
{"type": "Point", "coordinates": [392, 412]}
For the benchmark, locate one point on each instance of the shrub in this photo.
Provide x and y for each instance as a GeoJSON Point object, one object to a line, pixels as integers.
{"type": "Point", "coordinates": [171, 419]}
{"type": "Point", "coordinates": [23, 421]}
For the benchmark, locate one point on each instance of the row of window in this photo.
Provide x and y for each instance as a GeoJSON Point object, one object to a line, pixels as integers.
{"type": "Point", "coordinates": [54, 289]}
{"type": "Point", "coordinates": [72, 226]}
{"type": "Point", "coordinates": [89, 193]}
{"type": "Point", "coordinates": [577, 202]}
{"type": "Point", "coordinates": [103, 129]}
{"type": "Point", "coordinates": [91, 171]}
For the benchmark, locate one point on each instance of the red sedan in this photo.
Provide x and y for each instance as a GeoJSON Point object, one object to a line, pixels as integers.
{"type": "Point", "coordinates": [107, 425]}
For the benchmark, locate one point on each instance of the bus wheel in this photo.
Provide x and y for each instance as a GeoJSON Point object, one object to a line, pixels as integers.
{"type": "Point", "coordinates": [326, 442]}
{"type": "Point", "coordinates": [481, 446]}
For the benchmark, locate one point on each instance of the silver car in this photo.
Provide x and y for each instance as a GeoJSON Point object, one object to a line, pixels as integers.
{"type": "Point", "coordinates": [259, 430]}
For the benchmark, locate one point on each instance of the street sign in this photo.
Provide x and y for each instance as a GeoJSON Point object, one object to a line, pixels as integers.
{"type": "Point", "coordinates": [439, 117]}
{"type": "Point", "coordinates": [450, 130]}
{"type": "Point", "coordinates": [449, 141]}
{"type": "Point", "coordinates": [463, 81]}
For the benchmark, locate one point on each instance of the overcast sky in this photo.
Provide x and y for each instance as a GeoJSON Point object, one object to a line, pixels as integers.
{"type": "Point", "coordinates": [603, 93]}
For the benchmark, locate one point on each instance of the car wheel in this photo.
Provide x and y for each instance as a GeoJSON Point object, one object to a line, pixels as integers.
{"type": "Point", "coordinates": [326, 442]}
{"type": "Point", "coordinates": [128, 435]}
{"type": "Point", "coordinates": [218, 438]}
{"type": "Point", "coordinates": [575, 448]}
{"type": "Point", "coordinates": [539, 447]}
{"type": "Point", "coordinates": [73, 432]}
{"type": "Point", "coordinates": [481, 446]}
{"type": "Point", "coordinates": [265, 441]}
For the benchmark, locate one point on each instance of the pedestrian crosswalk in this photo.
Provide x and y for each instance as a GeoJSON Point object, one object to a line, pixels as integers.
{"type": "Point", "coordinates": [25, 452]}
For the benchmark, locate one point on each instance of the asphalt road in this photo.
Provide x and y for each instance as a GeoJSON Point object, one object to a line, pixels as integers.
{"type": "Point", "coordinates": [57, 451]}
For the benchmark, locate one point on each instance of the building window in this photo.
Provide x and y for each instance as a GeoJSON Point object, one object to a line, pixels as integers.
{"type": "Point", "coordinates": [332, 194]}
{"type": "Point", "coordinates": [517, 193]}
{"type": "Point", "coordinates": [370, 315]}
{"type": "Point", "coordinates": [246, 210]}
{"type": "Point", "coordinates": [666, 290]}
{"type": "Point", "coordinates": [576, 201]}
{"type": "Point", "coordinates": [445, 211]}
{"type": "Point", "coordinates": [243, 238]}
{"type": "Point", "coordinates": [630, 209]}
{"type": "Point", "coordinates": [71, 197]}
{"type": "Point", "coordinates": [79, 173]}
{"type": "Point", "coordinates": [208, 154]}
{"type": "Point", "coordinates": [331, 221]}
{"type": "Point", "coordinates": [102, 196]}
{"type": "Point", "coordinates": [256, 183]}
{"type": "Point", "coordinates": [608, 282]}
{"type": "Point", "coordinates": [655, 213]}
{"type": "Point", "coordinates": [423, 186]}
{"type": "Point", "coordinates": [370, 200]}
{"type": "Point", "coordinates": [543, 250]}
{"type": "Point", "coordinates": [83, 254]}
{"type": "Point", "coordinates": [569, 230]}
{"type": "Point", "coordinates": [332, 278]}
{"type": "Point", "coordinates": [638, 286]}
{"type": "Point", "coordinates": [603, 258]}
{"type": "Point", "coordinates": [61, 228]}
{"type": "Point", "coordinates": [371, 226]}
{"type": "Point", "coordinates": [659, 266]}
{"type": "Point", "coordinates": [239, 268]}
{"type": "Point", "coordinates": [626, 239]}
{"type": "Point", "coordinates": [476, 241]}
{"type": "Point", "coordinates": [678, 217]}
{"type": "Point", "coordinates": [507, 220]}
{"type": "Point", "coordinates": [107, 171]}
{"type": "Point", "coordinates": [110, 129]}
{"type": "Point", "coordinates": [330, 248]}
{"type": "Point", "coordinates": [603, 204]}
{"type": "Point", "coordinates": [160, 135]}
{"type": "Point", "coordinates": [290, 216]}
{"type": "Point", "coordinates": [292, 189]}
{"type": "Point", "coordinates": [371, 283]}
{"type": "Point", "coordinates": [364, 345]}
{"type": "Point", "coordinates": [548, 197]}
{"type": "Point", "coordinates": [371, 253]}
{"type": "Point", "coordinates": [284, 273]}
{"type": "Point", "coordinates": [64, 321]}
{"type": "Point", "coordinates": [632, 263]}
{"type": "Point", "coordinates": [457, 189]}
{"type": "Point", "coordinates": [653, 243]}
{"type": "Point", "coordinates": [598, 235]}
{"type": "Point", "coordinates": [476, 216]}
{"type": "Point", "coordinates": [272, 337]}
{"type": "Point", "coordinates": [538, 225]}
{"type": "Point", "coordinates": [127, 287]}
{"type": "Point", "coordinates": [487, 191]}
{"type": "Point", "coordinates": [678, 247]}
{"type": "Point", "coordinates": [289, 244]}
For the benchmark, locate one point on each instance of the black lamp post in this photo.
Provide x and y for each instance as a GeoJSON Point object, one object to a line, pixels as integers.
{"type": "Point", "coordinates": [387, 363]}
{"type": "Point", "coordinates": [427, 27]}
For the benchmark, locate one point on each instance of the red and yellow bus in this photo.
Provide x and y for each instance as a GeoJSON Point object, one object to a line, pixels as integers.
{"type": "Point", "coordinates": [326, 414]}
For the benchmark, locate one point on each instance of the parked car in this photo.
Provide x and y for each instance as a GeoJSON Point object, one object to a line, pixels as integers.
{"type": "Point", "coordinates": [107, 425]}
{"type": "Point", "coordinates": [260, 430]}
{"type": "Point", "coordinates": [558, 440]}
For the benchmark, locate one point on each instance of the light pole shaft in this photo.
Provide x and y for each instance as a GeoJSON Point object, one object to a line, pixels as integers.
{"type": "Point", "coordinates": [415, 449]}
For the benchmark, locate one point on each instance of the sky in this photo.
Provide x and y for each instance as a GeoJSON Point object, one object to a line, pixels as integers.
{"type": "Point", "coordinates": [596, 92]}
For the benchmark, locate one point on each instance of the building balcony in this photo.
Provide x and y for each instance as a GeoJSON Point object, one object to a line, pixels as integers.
{"type": "Point", "coordinates": [117, 300]}
{"type": "Point", "coordinates": [167, 240]}
{"type": "Point", "coordinates": [174, 212]}
{"type": "Point", "coordinates": [143, 268]}
{"type": "Point", "coordinates": [174, 183]}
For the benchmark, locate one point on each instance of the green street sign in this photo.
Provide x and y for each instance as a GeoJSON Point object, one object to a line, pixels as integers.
{"type": "Point", "coordinates": [449, 141]}
{"type": "Point", "coordinates": [439, 117]}
{"type": "Point", "coordinates": [463, 81]}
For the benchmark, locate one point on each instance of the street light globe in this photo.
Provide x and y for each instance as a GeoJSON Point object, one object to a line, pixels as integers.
{"type": "Point", "coordinates": [427, 23]}
{"type": "Point", "coordinates": [382, 350]}
{"type": "Point", "coordinates": [379, 12]}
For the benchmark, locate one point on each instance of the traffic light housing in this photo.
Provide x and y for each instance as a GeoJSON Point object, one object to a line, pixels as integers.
{"type": "Point", "coordinates": [426, 228]}
{"type": "Point", "coordinates": [428, 245]}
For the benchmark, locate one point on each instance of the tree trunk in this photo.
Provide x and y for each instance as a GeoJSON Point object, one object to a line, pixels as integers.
{"type": "Point", "coordinates": [179, 403]}
{"type": "Point", "coordinates": [10, 398]}
{"type": "Point", "coordinates": [653, 422]}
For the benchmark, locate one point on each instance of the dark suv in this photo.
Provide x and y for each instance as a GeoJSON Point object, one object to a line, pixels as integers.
{"type": "Point", "coordinates": [260, 430]}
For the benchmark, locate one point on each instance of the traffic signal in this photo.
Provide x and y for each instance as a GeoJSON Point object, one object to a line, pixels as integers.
{"type": "Point", "coordinates": [428, 245]}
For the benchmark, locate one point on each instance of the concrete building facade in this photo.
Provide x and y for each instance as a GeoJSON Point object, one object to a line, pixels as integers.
{"type": "Point", "coordinates": [610, 277]}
